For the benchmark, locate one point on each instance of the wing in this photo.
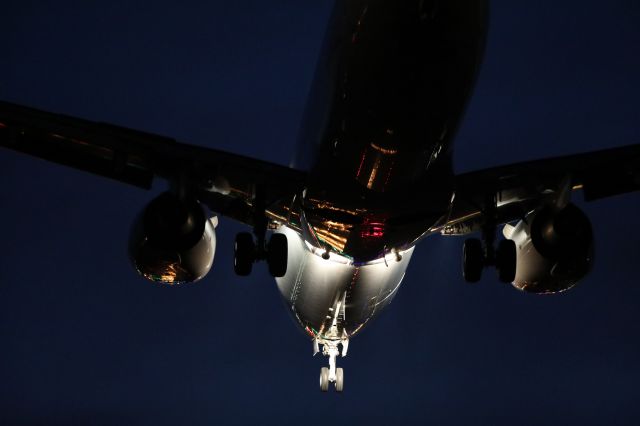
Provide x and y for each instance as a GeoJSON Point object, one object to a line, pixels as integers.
{"type": "Point", "coordinates": [226, 182]}
{"type": "Point", "coordinates": [519, 188]}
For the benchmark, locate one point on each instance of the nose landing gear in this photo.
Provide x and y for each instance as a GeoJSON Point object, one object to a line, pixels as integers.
{"type": "Point", "coordinates": [325, 379]}
{"type": "Point", "coordinates": [332, 374]}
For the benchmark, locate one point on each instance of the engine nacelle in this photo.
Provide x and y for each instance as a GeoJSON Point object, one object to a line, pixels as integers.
{"type": "Point", "coordinates": [173, 242]}
{"type": "Point", "coordinates": [554, 249]}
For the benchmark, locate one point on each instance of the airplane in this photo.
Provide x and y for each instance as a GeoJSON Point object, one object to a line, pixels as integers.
{"type": "Point", "coordinates": [373, 177]}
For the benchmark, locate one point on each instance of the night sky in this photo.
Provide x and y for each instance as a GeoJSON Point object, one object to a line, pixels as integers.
{"type": "Point", "coordinates": [84, 340]}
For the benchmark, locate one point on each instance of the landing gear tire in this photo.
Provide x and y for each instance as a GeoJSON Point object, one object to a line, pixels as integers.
{"type": "Point", "coordinates": [506, 261]}
{"type": "Point", "coordinates": [339, 379]}
{"type": "Point", "coordinates": [472, 260]}
{"type": "Point", "coordinates": [244, 254]}
{"type": "Point", "coordinates": [324, 379]}
{"type": "Point", "coordinates": [277, 255]}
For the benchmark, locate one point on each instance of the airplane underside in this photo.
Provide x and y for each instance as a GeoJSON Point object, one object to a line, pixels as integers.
{"type": "Point", "coordinates": [333, 299]}
{"type": "Point", "coordinates": [391, 89]}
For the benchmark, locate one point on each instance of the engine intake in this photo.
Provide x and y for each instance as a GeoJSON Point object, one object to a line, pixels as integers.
{"type": "Point", "coordinates": [173, 242]}
{"type": "Point", "coordinates": [554, 249]}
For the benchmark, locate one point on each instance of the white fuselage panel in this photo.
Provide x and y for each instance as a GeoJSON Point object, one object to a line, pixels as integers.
{"type": "Point", "coordinates": [332, 299]}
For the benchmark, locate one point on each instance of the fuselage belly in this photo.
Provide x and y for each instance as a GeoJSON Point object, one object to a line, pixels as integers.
{"type": "Point", "coordinates": [333, 299]}
{"type": "Point", "coordinates": [390, 90]}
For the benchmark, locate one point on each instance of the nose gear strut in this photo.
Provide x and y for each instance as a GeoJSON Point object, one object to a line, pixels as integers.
{"type": "Point", "coordinates": [330, 347]}
{"type": "Point", "coordinates": [332, 374]}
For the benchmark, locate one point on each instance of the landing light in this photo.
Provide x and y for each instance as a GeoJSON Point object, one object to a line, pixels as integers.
{"type": "Point", "coordinates": [335, 257]}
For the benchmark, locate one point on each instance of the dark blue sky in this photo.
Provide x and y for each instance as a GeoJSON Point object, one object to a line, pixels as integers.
{"type": "Point", "coordinates": [83, 340]}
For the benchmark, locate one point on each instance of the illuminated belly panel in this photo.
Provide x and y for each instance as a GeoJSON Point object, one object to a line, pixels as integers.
{"type": "Point", "coordinates": [333, 298]}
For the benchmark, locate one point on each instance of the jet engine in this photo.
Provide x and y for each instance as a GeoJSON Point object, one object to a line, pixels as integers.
{"type": "Point", "coordinates": [172, 241]}
{"type": "Point", "coordinates": [554, 249]}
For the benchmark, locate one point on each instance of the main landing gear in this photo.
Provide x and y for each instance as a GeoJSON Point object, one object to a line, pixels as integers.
{"type": "Point", "coordinates": [247, 251]}
{"type": "Point", "coordinates": [477, 254]}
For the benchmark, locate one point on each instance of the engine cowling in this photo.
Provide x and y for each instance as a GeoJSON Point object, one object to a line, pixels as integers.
{"type": "Point", "coordinates": [173, 241]}
{"type": "Point", "coordinates": [554, 249]}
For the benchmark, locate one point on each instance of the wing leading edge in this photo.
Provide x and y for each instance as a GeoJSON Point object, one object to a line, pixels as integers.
{"type": "Point", "coordinates": [226, 182]}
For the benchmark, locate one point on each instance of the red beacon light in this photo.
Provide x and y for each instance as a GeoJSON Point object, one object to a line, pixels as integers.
{"type": "Point", "coordinates": [372, 229]}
